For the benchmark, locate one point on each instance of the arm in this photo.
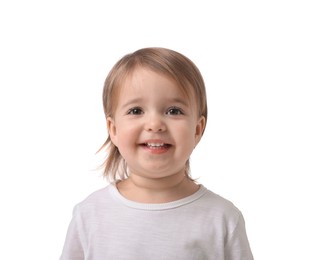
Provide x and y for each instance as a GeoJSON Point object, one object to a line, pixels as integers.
{"type": "Point", "coordinates": [237, 246]}
{"type": "Point", "coordinates": [73, 249]}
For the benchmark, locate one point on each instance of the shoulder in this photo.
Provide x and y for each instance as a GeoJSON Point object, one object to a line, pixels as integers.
{"type": "Point", "coordinates": [218, 207]}
{"type": "Point", "coordinates": [98, 199]}
{"type": "Point", "coordinates": [218, 202]}
{"type": "Point", "coordinates": [224, 218]}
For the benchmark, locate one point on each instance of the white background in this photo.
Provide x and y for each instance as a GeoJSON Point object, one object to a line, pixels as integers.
{"type": "Point", "coordinates": [54, 57]}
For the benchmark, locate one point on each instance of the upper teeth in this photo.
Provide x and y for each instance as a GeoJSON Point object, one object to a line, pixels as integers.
{"type": "Point", "coordinates": [155, 144]}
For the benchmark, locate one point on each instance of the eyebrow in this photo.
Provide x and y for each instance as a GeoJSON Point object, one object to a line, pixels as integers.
{"type": "Point", "coordinates": [132, 101]}
{"type": "Point", "coordinates": [172, 100]}
{"type": "Point", "coordinates": [179, 100]}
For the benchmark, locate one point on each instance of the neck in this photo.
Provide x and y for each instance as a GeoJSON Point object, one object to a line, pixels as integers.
{"type": "Point", "coordinates": [157, 190]}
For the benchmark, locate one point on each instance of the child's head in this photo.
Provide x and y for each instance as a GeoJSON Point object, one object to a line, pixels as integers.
{"type": "Point", "coordinates": [160, 63]}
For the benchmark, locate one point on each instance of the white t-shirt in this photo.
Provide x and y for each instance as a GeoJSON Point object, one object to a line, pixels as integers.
{"type": "Point", "coordinates": [108, 226]}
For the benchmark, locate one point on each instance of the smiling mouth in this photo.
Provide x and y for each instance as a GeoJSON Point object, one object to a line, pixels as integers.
{"type": "Point", "coordinates": [156, 145]}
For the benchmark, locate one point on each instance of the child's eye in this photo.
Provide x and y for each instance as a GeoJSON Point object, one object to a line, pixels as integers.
{"type": "Point", "coordinates": [174, 111]}
{"type": "Point", "coordinates": [135, 111]}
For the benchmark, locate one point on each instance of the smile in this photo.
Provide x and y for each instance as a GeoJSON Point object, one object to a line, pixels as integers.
{"type": "Point", "coordinates": [156, 147]}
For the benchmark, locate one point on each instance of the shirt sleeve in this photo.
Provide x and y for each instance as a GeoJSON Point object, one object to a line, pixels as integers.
{"type": "Point", "coordinates": [73, 249]}
{"type": "Point", "coordinates": [237, 246]}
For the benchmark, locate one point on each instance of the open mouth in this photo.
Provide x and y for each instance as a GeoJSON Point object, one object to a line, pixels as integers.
{"type": "Point", "coordinates": [156, 146]}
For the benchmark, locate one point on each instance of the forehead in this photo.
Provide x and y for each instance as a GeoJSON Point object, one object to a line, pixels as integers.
{"type": "Point", "coordinates": [146, 81]}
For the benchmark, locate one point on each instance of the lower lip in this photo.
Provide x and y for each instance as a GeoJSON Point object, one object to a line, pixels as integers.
{"type": "Point", "coordinates": [156, 150]}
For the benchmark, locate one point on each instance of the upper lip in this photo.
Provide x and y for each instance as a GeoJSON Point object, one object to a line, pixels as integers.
{"type": "Point", "coordinates": [155, 142]}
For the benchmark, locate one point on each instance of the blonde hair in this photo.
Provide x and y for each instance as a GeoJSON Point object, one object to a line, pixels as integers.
{"type": "Point", "coordinates": [160, 60]}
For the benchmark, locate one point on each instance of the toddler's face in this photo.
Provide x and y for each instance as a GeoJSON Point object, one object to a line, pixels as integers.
{"type": "Point", "coordinates": [155, 126]}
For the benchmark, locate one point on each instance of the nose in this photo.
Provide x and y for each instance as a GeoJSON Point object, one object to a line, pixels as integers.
{"type": "Point", "coordinates": [155, 123]}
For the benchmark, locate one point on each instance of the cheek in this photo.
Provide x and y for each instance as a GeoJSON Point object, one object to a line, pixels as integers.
{"type": "Point", "coordinates": [127, 134]}
{"type": "Point", "coordinates": [192, 136]}
{"type": "Point", "coordinates": [185, 136]}
{"type": "Point", "coordinates": [127, 138]}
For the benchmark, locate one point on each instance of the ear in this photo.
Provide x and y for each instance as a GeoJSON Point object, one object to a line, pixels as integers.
{"type": "Point", "coordinates": [199, 130]}
{"type": "Point", "coordinates": [111, 127]}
